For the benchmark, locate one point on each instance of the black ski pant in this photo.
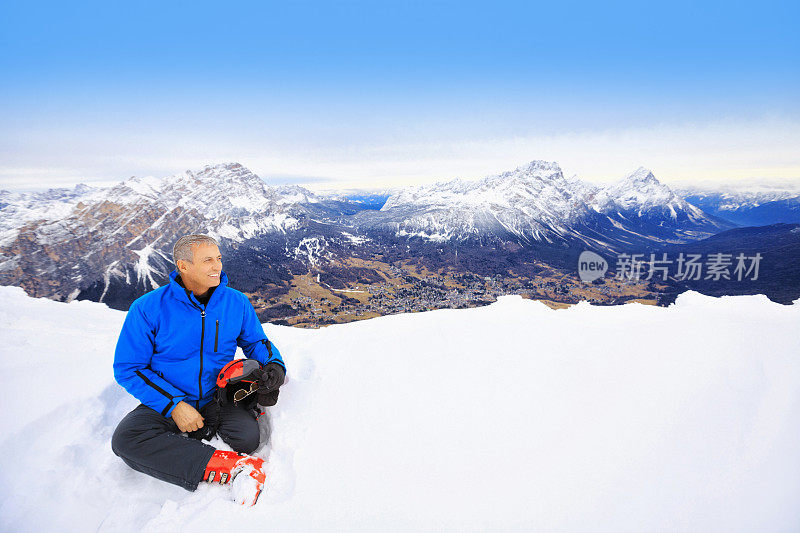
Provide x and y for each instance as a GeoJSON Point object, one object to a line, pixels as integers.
{"type": "Point", "coordinates": [152, 443]}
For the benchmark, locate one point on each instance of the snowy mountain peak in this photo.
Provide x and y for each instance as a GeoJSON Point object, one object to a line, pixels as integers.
{"type": "Point", "coordinates": [536, 170]}
{"type": "Point", "coordinates": [230, 165]}
{"type": "Point", "coordinates": [523, 183]}
{"type": "Point", "coordinates": [540, 166]}
{"type": "Point", "coordinates": [531, 201]}
{"type": "Point", "coordinates": [294, 194]}
{"type": "Point", "coordinates": [641, 196]}
{"type": "Point", "coordinates": [232, 173]}
{"type": "Point", "coordinates": [82, 188]}
{"type": "Point", "coordinates": [226, 190]}
{"type": "Point", "coordinates": [225, 168]}
{"type": "Point", "coordinates": [640, 189]}
{"type": "Point", "coordinates": [641, 175]}
{"type": "Point", "coordinates": [148, 186]}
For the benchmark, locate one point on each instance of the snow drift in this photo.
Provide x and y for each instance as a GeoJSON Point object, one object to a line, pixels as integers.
{"type": "Point", "coordinates": [507, 417]}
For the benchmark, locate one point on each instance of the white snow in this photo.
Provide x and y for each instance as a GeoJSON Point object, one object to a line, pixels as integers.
{"type": "Point", "coordinates": [506, 417]}
{"type": "Point", "coordinates": [433, 237]}
{"type": "Point", "coordinates": [144, 271]}
{"type": "Point", "coordinates": [312, 248]}
{"type": "Point", "coordinates": [355, 239]}
{"type": "Point", "coordinates": [342, 290]}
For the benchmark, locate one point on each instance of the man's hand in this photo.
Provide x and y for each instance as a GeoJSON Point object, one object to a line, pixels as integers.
{"type": "Point", "coordinates": [272, 377]}
{"type": "Point", "coordinates": [187, 417]}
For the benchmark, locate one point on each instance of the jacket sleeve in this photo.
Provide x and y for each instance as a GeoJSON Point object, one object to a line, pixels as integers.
{"type": "Point", "coordinates": [253, 340]}
{"type": "Point", "coordinates": [132, 364]}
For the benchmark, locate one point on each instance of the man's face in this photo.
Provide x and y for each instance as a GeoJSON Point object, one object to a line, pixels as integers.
{"type": "Point", "coordinates": [203, 272]}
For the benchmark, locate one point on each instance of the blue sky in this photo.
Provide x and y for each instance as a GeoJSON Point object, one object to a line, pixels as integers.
{"type": "Point", "coordinates": [371, 94]}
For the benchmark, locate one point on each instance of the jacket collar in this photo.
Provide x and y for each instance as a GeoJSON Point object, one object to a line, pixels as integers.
{"type": "Point", "coordinates": [181, 293]}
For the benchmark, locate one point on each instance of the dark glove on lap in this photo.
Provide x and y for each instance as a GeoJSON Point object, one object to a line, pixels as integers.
{"type": "Point", "coordinates": [268, 399]}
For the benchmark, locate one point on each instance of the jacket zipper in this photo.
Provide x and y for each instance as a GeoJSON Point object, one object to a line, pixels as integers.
{"type": "Point", "coordinates": [216, 336]}
{"type": "Point", "coordinates": [200, 376]}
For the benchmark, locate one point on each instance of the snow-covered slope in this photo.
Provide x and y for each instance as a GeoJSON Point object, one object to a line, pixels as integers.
{"type": "Point", "coordinates": [507, 417]}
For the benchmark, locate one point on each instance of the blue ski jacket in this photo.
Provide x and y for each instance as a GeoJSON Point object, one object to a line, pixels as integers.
{"type": "Point", "coordinates": [172, 347]}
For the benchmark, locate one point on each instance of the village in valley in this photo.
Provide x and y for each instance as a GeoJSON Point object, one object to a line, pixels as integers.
{"type": "Point", "coordinates": [409, 288]}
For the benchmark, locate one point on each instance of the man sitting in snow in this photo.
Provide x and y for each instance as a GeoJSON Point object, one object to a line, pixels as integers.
{"type": "Point", "coordinates": [173, 345]}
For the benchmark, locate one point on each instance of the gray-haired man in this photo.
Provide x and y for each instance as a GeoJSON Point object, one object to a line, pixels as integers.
{"type": "Point", "coordinates": [173, 344]}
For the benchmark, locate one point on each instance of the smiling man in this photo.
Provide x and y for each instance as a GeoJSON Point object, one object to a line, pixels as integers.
{"type": "Point", "coordinates": [172, 348]}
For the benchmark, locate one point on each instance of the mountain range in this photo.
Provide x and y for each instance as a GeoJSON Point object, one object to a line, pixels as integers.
{"type": "Point", "coordinates": [536, 204]}
{"type": "Point", "coordinates": [113, 244]}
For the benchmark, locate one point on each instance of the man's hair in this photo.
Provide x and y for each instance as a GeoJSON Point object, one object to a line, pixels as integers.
{"type": "Point", "coordinates": [183, 248]}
